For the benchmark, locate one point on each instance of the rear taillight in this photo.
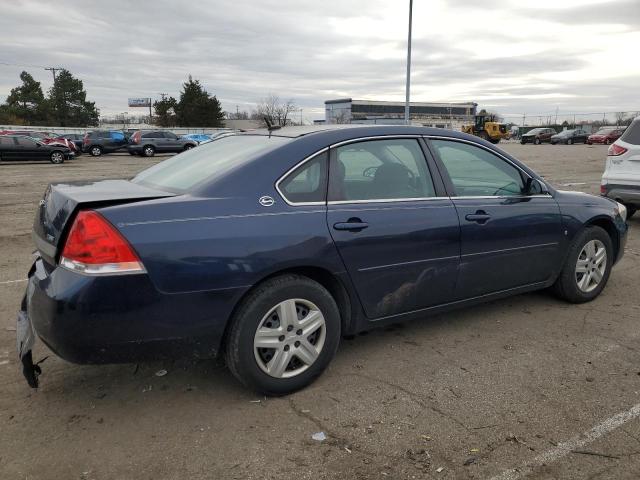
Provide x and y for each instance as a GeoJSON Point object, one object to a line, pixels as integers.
{"type": "Point", "coordinates": [95, 247]}
{"type": "Point", "coordinates": [615, 150]}
{"type": "Point", "coordinates": [86, 141]}
{"type": "Point", "coordinates": [603, 189]}
{"type": "Point", "coordinates": [136, 137]}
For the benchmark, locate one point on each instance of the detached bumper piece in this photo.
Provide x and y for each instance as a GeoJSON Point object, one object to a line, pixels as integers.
{"type": "Point", "coordinates": [25, 339]}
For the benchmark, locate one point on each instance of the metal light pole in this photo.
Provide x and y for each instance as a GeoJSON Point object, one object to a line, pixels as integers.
{"type": "Point", "coordinates": [406, 104]}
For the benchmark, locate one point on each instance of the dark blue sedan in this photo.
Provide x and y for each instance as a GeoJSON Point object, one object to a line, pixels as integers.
{"type": "Point", "coordinates": [268, 247]}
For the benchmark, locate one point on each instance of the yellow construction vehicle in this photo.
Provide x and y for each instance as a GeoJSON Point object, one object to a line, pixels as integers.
{"type": "Point", "coordinates": [485, 126]}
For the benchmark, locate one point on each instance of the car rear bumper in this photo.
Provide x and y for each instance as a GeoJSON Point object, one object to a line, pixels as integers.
{"type": "Point", "coordinates": [124, 318]}
{"type": "Point", "coordinates": [628, 194]}
{"type": "Point", "coordinates": [134, 148]}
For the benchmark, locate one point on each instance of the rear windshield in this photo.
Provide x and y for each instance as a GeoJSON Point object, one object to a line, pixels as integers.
{"type": "Point", "coordinates": [184, 172]}
{"type": "Point", "coordinates": [632, 134]}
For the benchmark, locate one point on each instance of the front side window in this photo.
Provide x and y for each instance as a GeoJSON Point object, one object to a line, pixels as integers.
{"type": "Point", "coordinates": [392, 169]}
{"type": "Point", "coordinates": [476, 172]}
{"type": "Point", "coordinates": [307, 183]}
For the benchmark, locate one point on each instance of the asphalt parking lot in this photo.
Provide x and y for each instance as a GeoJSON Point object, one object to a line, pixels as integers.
{"type": "Point", "coordinates": [527, 387]}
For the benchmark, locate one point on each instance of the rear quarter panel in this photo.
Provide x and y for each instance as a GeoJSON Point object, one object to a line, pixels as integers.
{"type": "Point", "coordinates": [190, 244]}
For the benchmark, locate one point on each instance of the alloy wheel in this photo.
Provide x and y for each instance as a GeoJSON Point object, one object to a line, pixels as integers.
{"type": "Point", "coordinates": [56, 157]}
{"type": "Point", "coordinates": [591, 266]}
{"type": "Point", "coordinates": [289, 338]}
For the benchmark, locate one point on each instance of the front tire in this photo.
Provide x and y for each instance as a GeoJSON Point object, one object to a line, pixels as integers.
{"type": "Point", "coordinates": [587, 266]}
{"type": "Point", "coordinates": [283, 335]}
{"type": "Point", "coordinates": [537, 141]}
{"type": "Point", "coordinates": [570, 141]}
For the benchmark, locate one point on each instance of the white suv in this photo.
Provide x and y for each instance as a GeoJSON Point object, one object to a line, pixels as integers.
{"type": "Point", "coordinates": [621, 178]}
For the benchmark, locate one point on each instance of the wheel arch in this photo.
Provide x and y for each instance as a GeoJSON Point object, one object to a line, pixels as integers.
{"type": "Point", "coordinates": [336, 287]}
{"type": "Point", "coordinates": [608, 226]}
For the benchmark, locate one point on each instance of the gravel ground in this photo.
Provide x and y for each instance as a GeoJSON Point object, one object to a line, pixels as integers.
{"type": "Point", "coordinates": [527, 387]}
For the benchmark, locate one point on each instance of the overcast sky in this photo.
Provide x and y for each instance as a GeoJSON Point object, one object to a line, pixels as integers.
{"type": "Point", "coordinates": [511, 56]}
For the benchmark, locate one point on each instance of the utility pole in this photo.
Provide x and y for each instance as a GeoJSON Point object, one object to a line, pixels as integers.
{"type": "Point", "coordinates": [53, 70]}
{"type": "Point", "coordinates": [408, 94]}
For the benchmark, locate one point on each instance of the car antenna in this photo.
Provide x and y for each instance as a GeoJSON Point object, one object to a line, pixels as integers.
{"type": "Point", "coordinates": [270, 126]}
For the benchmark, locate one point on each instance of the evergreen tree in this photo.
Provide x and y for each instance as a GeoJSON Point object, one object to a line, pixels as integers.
{"type": "Point", "coordinates": [26, 103]}
{"type": "Point", "coordinates": [166, 111]}
{"type": "Point", "coordinates": [68, 102]}
{"type": "Point", "coordinates": [197, 108]}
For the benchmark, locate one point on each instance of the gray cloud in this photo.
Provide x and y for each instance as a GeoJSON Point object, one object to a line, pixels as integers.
{"type": "Point", "coordinates": [241, 51]}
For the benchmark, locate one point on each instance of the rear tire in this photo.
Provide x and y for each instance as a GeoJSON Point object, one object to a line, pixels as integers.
{"type": "Point", "coordinates": [607, 142]}
{"type": "Point", "coordinates": [264, 311]}
{"type": "Point", "coordinates": [148, 151]}
{"type": "Point", "coordinates": [570, 141]}
{"type": "Point", "coordinates": [578, 281]}
{"type": "Point", "coordinates": [95, 151]}
{"type": "Point", "coordinates": [188, 147]}
{"type": "Point", "coordinates": [56, 157]}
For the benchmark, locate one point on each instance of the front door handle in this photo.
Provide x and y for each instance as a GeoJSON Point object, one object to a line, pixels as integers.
{"type": "Point", "coordinates": [352, 225]}
{"type": "Point", "coordinates": [480, 217]}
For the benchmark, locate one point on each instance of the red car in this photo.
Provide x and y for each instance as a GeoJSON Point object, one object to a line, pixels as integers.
{"type": "Point", "coordinates": [48, 138]}
{"type": "Point", "coordinates": [606, 135]}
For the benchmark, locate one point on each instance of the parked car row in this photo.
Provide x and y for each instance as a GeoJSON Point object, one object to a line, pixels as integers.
{"type": "Point", "coordinates": [97, 142]}
{"type": "Point", "coordinates": [606, 136]}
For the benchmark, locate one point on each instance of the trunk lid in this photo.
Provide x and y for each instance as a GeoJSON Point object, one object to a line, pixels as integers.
{"type": "Point", "coordinates": [62, 200]}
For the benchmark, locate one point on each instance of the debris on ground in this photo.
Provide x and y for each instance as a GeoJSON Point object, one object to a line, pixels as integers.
{"type": "Point", "coordinates": [147, 389]}
{"type": "Point", "coordinates": [255, 401]}
{"type": "Point", "coordinates": [319, 436]}
{"type": "Point", "coordinates": [347, 449]}
{"type": "Point", "coordinates": [470, 460]}
{"type": "Point", "coordinates": [439, 469]}
{"type": "Point", "coordinates": [161, 373]}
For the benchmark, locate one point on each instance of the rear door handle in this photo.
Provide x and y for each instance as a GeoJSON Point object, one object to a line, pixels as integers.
{"type": "Point", "coordinates": [353, 225]}
{"type": "Point", "coordinates": [479, 217]}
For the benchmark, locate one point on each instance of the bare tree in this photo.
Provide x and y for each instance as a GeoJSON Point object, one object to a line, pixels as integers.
{"type": "Point", "coordinates": [274, 111]}
{"type": "Point", "coordinates": [620, 118]}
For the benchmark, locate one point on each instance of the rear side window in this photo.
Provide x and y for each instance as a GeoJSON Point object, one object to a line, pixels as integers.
{"type": "Point", "coordinates": [392, 169]}
{"type": "Point", "coordinates": [307, 183]}
{"type": "Point", "coordinates": [632, 133]}
{"type": "Point", "coordinates": [152, 135]}
{"type": "Point", "coordinates": [196, 166]}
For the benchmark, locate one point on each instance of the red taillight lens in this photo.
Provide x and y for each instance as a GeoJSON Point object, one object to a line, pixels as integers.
{"type": "Point", "coordinates": [603, 189]}
{"type": "Point", "coordinates": [94, 246]}
{"type": "Point", "coordinates": [615, 150]}
{"type": "Point", "coordinates": [136, 137]}
{"type": "Point", "coordinates": [85, 141]}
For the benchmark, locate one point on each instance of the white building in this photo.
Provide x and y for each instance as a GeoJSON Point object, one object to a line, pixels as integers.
{"type": "Point", "coordinates": [442, 115]}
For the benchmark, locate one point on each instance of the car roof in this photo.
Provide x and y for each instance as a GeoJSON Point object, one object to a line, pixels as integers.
{"type": "Point", "coordinates": [347, 131]}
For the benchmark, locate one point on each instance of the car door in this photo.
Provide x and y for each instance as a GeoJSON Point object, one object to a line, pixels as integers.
{"type": "Point", "coordinates": [172, 142]}
{"type": "Point", "coordinates": [509, 238]}
{"type": "Point", "coordinates": [8, 148]}
{"type": "Point", "coordinates": [396, 231]}
{"type": "Point", "coordinates": [28, 149]}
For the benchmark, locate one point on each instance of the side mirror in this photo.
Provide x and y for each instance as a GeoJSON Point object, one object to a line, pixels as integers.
{"type": "Point", "coordinates": [533, 186]}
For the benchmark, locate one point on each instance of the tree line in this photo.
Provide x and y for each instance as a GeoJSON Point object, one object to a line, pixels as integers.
{"type": "Point", "coordinates": [65, 104]}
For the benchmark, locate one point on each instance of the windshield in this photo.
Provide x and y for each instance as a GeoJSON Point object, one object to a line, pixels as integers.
{"type": "Point", "coordinates": [206, 162]}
